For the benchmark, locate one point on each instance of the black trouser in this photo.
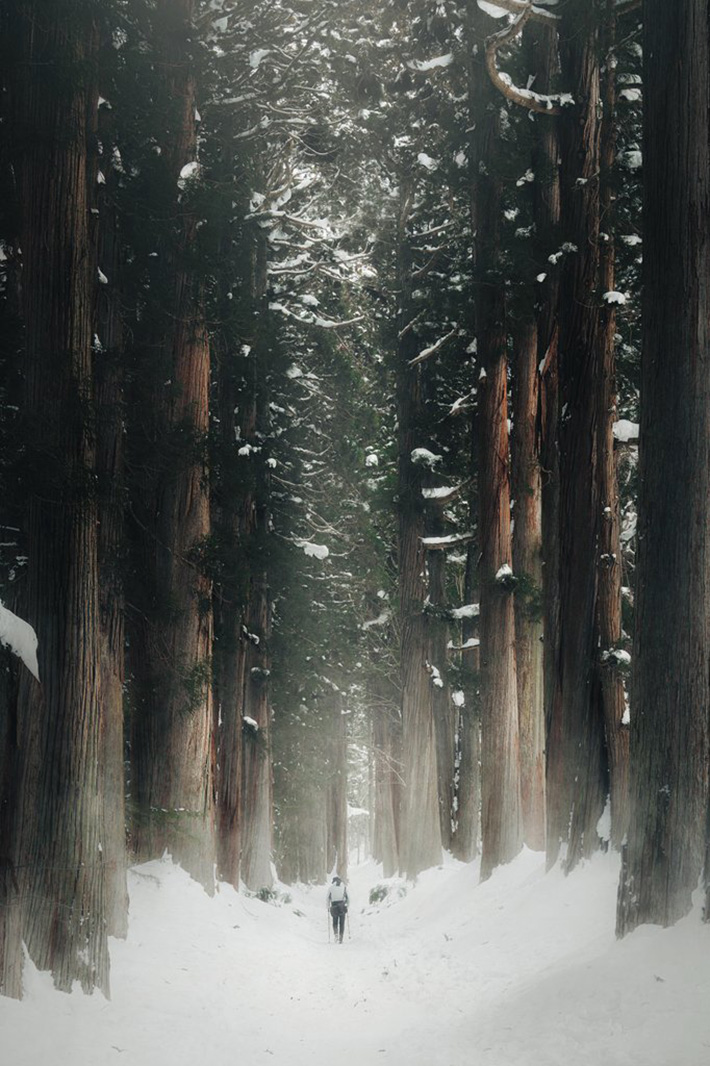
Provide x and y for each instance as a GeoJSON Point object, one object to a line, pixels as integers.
{"type": "Point", "coordinates": [338, 912]}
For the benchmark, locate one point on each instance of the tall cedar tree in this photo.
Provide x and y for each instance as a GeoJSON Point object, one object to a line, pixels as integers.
{"type": "Point", "coordinates": [609, 681]}
{"type": "Point", "coordinates": [61, 727]}
{"type": "Point", "coordinates": [671, 697]}
{"type": "Point", "coordinates": [172, 757]}
{"type": "Point", "coordinates": [420, 839]}
{"type": "Point", "coordinates": [501, 816]}
{"type": "Point", "coordinates": [577, 761]}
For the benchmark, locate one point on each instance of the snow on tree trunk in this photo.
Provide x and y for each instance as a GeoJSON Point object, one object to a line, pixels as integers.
{"type": "Point", "coordinates": [610, 681]}
{"type": "Point", "coordinates": [172, 779]}
{"type": "Point", "coordinates": [468, 725]}
{"type": "Point", "coordinates": [577, 760]}
{"type": "Point", "coordinates": [527, 567]}
{"type": "Point", "coordinates": [445, 713]}
{"type": "Point", "coordinates": [257, 787]}
{"type": "Point", "coordinates": [501, 818]}
{"type": "Point", "coordinates": [59, 855]}
{"type": "Point", "coordinates": [670, 697]}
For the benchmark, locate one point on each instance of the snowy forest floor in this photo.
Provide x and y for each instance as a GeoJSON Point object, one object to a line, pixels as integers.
{"type": "Point", "coordinates": [523, 970]}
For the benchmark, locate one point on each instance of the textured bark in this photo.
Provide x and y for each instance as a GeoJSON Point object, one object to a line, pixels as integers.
{"type": "Point", "coordinates": [445, 714]}
{"type": "Point", "coordinates": [257, 790]}
{"type": "Point", "coordinates": [172, 726]}
{"type": "Point", "coordinates": [420, 839]}
{"type": "Point", "coordinates": [110, 470]}
{"type": "Point", "coordinates": [670, 696]}
{"type": "Point", "coordinates": [577, 782]}
{"type": "Point", "coordinates": [387, 743]}
{"type": "Point", "coordinates": [10, 927]}
{"type": "Point", "coordinates": [610, 682]}
{"type": "Point", "coordinates": [468, 723]}
{"type": "Point", "coordinates": [337, 792]}
{"type": "Point", "coordinates": [527, 566]}
{"type": "Point", "coordinates": [542, 46]}
{"type": "Point", "coordinates": [501, 819]}
{"type": "Point", "coordinates": [60, 726]}
{"type": "Point", "coordinates": [257, 786]}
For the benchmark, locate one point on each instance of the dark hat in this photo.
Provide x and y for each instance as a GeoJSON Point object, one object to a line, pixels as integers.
{"type": "Point", "coordinates": [336, 880]}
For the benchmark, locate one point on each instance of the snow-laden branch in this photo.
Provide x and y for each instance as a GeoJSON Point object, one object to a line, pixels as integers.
{"type": "Point", "coordinates": [539, 14]}
{"type": "Point", "coordinates": [428, 352]}
{"type": "Point", "coordinates": [20, 638]}
{"type": "Point", "coordinates": [542, 105]}
{"type": "Point", "coordinates": [310, 319]}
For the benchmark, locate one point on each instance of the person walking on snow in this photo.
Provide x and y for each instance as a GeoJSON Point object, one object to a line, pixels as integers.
{"type": "Point", "coordinates": [338, 905]}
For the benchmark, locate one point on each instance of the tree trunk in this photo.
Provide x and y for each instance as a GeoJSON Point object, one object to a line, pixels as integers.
{"type": "Point", "coordinates": [420, 840]}
{"type": "Point", "coordinates": [542, 47]}
{"type": "Point", "coordinates": [527, 567]}
{"type": "Point", "coordinates": [501, 820]}
{"type": "Point", "coordinates": [610, 681]}
{"type": "Point", "coordinates": [577, 783]}
{"type": "Point", "coordinates": [110, 471]}
{"type": "Point", "coordinates": [387, 743]}
{"type": "Point", "coordinates": [468, 725]}
{"type": "Point", "coordinates": [670, 698]}
{"type": "Point", "coordinates": [172, 729]}
{"type": "Point", "coordinates": [337, 793]}
{"type": "Point", "coordinates": [10, 910]}
{"type": "Point", "coordinates": [445, 714]}
{"type": "Point", "coordinates": [60, 729]}
{"type": "Point", "coordinates": [257, 786]}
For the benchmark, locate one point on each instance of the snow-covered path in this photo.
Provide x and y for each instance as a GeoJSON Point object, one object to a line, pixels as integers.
{"type": "Point", "coordinates": [521, 971]}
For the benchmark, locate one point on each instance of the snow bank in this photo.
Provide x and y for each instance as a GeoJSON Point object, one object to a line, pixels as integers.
{"type": "Point", "coordinates": [523, 970]}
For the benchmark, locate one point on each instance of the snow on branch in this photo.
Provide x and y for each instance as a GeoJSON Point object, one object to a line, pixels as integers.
{"type": "Point", "coordinates": [307, 318]}
{"type": "Point", "coordinates": [20, 638]}
{"type": "Point", "coordinates": [536, 12]}
{"type": "Point", "coordinates": [441, 543]}
{"type": "Point", "coordinates": [426, 353]}
{"type": "Point", "coordinates": [542, 105]}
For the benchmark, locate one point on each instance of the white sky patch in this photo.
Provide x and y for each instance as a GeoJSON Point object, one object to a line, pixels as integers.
{"type": "Point", "coordinates": [614, 297]}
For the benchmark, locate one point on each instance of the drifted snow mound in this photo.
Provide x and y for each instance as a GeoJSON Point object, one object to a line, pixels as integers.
{"type": "Point", "coordinates": [522, 970]}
